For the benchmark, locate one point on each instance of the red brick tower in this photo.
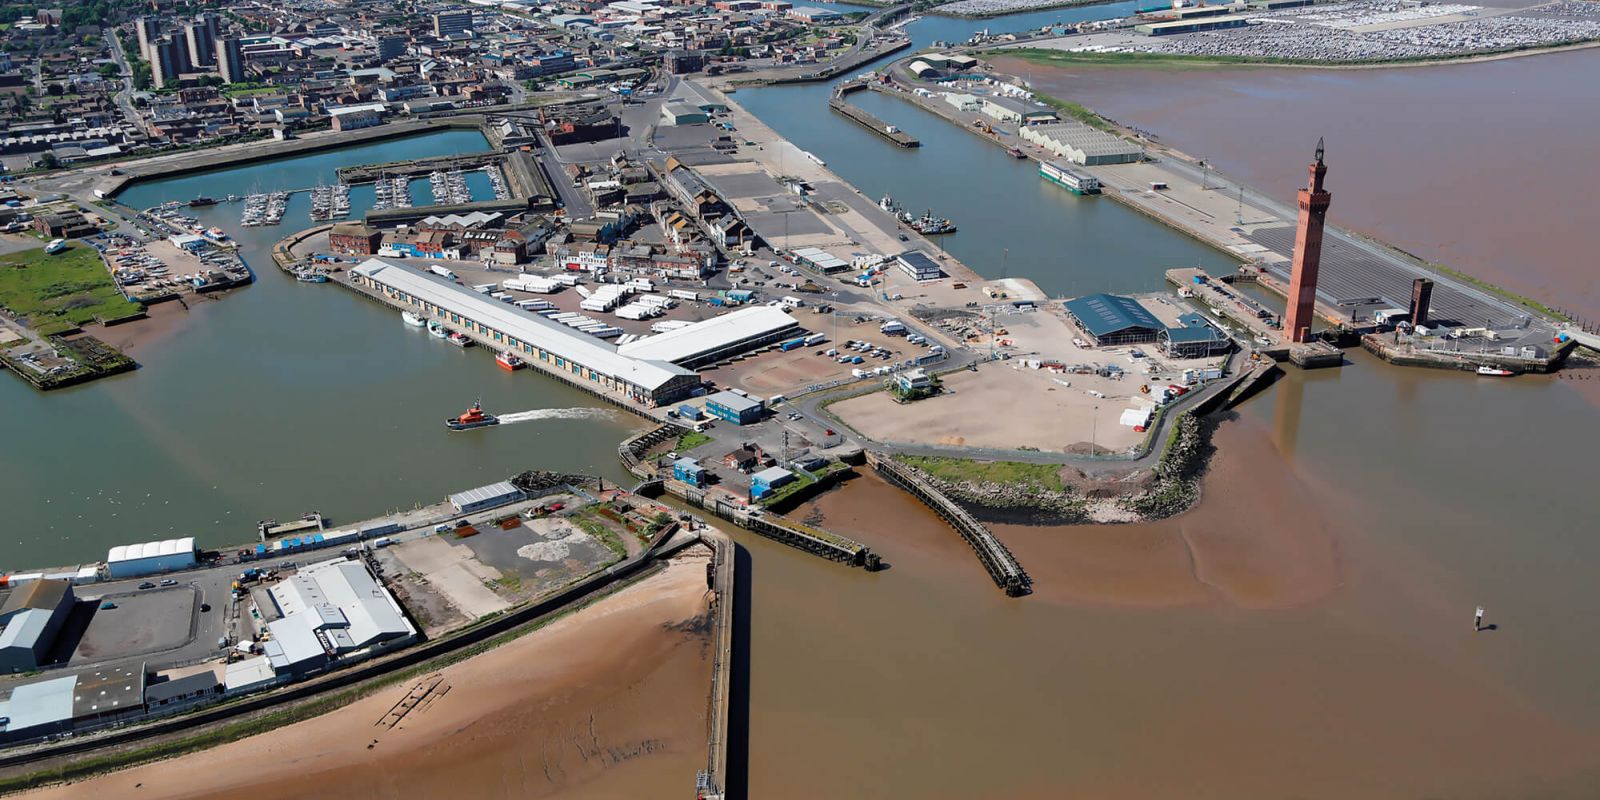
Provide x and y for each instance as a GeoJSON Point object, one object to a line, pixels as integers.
{"type": "Point", "coordinates": [1314, 202]}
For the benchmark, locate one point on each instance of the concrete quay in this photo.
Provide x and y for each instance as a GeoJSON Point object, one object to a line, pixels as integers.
{"type": "Point", "coordinates": [1359, 276]}
{"type": "Point", "coordinates": [841, 104]}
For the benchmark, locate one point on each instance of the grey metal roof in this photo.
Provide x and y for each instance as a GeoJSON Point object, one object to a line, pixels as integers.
{"type": "Point", "coordinates": [538, 331]}
{"type": "Point", "coordinates": [1105, 314]}
{"type": "Point", "coordinates": [25, 629]}
{"type": "Point", "coordinates": [737, 403]}
{"type": "Point", "coordinates": [178, 687]}
{"type": "Point", "coordinates": [41, 703]}
{"type": "Point", "coordinates": [709, 336]}
{"type": "Point", "coordinates": [494, 491]}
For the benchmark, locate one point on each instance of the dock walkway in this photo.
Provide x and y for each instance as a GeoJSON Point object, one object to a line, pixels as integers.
{"type": "Point", "coordinates": [840, 102]}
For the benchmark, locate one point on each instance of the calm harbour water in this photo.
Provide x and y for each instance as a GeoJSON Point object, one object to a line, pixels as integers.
{"type": "Point", "coordinates": [278, 399]}
{"type": "Point", "coordinates": [1303, 633]}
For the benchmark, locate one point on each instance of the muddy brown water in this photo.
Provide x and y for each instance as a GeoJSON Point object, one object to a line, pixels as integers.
{"type": "Point", "coordinates": [1486, 167]}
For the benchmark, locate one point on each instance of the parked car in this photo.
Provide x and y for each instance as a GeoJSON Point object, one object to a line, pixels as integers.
{"type": "Point", "coordinates": [168, 582]}
{"type": "Point", "coordinates": [107, 605]}
{"type": "Point", "coordinates": [147, 585]}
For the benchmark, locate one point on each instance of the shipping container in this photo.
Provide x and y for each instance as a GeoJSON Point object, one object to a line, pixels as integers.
{"type": "Point", "coordinates": [793, 344]}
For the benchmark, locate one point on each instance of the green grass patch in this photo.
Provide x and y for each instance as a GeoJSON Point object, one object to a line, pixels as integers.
{"type": "Point", "coordinates": [691, 440]}
{"type": "Point", "coordinates": [248, 90]}
{"type": "Point", "coordinates": [1074, 111]}
{"type": "Point", "coordinates": [62, 291]}
{"type": "Point", "coordinates": [955, 470]}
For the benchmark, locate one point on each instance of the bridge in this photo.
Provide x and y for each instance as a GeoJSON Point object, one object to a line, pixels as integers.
{"type": "Point", "coordinates": [1001, 565]}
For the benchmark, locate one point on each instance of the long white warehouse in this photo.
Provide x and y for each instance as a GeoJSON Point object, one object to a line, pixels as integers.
{"type": "Point", "coordinates": [657, 374]}
{"type": "Point", "coordinates": [717, 338]}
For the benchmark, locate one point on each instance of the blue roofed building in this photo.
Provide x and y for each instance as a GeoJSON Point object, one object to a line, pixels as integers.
{"type": "Point", "coordinates": [1195, 337]}
{"type": "Point", "coordinates": [1110, 319]}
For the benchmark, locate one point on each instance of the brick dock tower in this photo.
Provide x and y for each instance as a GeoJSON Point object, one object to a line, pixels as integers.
{"type": "Point", "coordinates": [1314, 202]}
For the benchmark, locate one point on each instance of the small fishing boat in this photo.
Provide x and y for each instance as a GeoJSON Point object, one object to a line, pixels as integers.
{"type": "Point", "coordinates": [460, 340]}
{"type": "Point", "coordinates": [307, 276]}
{"type": "Point", "coordinates": [473, 418]}
{"type": "Point", "coordinates": [509, 362]}
{"type": "Point", "coordinates": [438, 330]}
{"type": "Point", "coordinates": [412, 319]}
{"type": "Point", "coordinates": [1495, 372]}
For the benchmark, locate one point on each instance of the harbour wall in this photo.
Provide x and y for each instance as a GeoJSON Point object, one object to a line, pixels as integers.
{"type": "Point", "coordinates": [163, 167]}
{"type": "Point", "coordinates": [997, 560]}
{"type": "Point", "coordinates": [840, 102]}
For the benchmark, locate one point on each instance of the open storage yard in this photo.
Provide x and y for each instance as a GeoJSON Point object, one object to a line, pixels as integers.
{"type": "Point", "coordinates": [1003, 406]}
{"type": "Point", "coordinates": [460, 574]}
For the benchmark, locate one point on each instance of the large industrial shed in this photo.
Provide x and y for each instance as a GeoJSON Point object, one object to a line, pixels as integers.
{"type": "Point", "coordinates": [544, 343]}
{"type": "Point", "coordinates": [485, 497]}
{"type": "Point", "coordinates": [715, 339]}
{"type": "Point", "coordinates": [680, 113]}
{"type": "Point", "coordinates": [30, 620]}
{"type": "Point", "coordinates": [149, 558]}
{"type": "Point", "coordinates": [1109, 319]}
{"type": "Point", "coordinates": [1082, 144]}
{"type": "Point", "coordinates": [334, 609]}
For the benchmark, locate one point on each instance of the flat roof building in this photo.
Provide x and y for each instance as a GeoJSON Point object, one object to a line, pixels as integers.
{"type": "Point", "coordinates": [918, 265]}
{"type": "Point", "coordinates": [1110, 319]}
{"type": "Point", "coordinates": [1192, 25]}
{"type": "Point", "coordinates": [735, 408]}
{"type": "Point", "coordinates": [545, 344]}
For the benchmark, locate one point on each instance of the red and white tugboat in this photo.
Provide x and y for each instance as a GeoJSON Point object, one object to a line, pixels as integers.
{"type": "Point", "coordinates": [508, 361]}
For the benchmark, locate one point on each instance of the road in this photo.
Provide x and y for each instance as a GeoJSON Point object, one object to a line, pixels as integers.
{"type": "Point", "coordinates": [124, 98]}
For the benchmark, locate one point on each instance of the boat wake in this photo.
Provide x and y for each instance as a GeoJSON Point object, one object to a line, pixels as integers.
{"type": "Point", "coordinates": [557, 413]}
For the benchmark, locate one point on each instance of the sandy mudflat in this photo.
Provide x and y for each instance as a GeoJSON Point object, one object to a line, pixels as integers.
{"type": "Point", "coordinates": [609, 702]}
{"type": "Point", "coordinates": [163, 320]}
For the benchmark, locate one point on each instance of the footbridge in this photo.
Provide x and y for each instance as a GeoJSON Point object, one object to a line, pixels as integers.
{"type": "Point", "coordinates": [1001, 565]}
